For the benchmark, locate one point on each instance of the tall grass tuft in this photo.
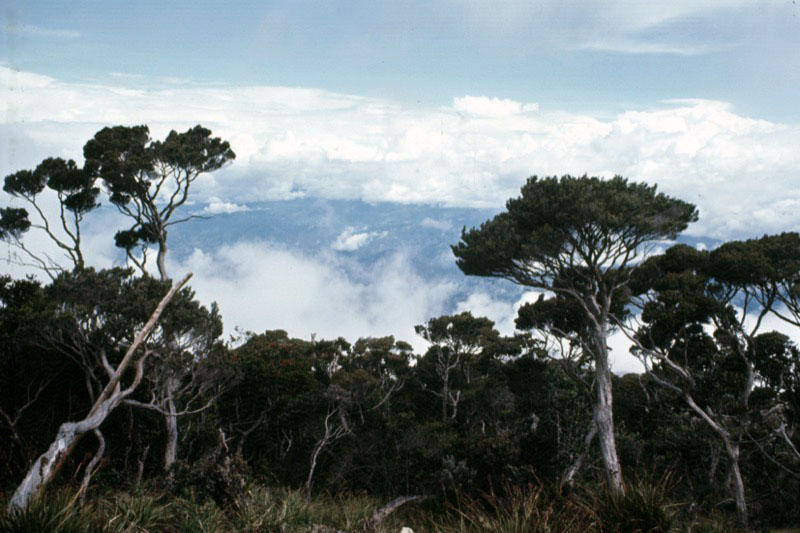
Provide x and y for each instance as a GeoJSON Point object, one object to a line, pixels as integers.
{"type": "Point", "coordinates": [285, 509]}
{"type": "Point", "coordinates": [56, 512]}
{"type": "Point", "coordinates": [517, 510]}
{"type": "Point", "coordinates": [136, 512]}
{"type": "Point", "coordinates": [644, 507]}
{"type": "Point", "coordinates": [192, 517]}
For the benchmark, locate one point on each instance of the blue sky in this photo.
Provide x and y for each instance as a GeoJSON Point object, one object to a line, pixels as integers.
{"type": "Point", "coordinates": [600, 57]}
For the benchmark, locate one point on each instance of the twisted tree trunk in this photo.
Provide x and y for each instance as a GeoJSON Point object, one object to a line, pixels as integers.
{"type": "Point", "coordinates": [69, 434]}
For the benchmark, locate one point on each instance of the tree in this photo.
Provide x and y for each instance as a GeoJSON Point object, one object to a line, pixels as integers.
{"type": "Point", "coordinates": [577, 238]}
{"type": "Point", "coordinates": [276, 407]}
{"type": "Point", "coordinates": [77, 195]}
{"type": "Point", "coordinates": [47, 465]}
{"type": "Point", "coordinates": [106, 307]}
{"type": "Point", "coordinates": [149, 180]}
{"type": "Point", "coordinates": [701, 337]}
{"type": "Point", "coordinates": [456, 341]}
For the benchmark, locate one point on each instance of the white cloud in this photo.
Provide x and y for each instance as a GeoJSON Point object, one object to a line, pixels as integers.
{"type": "Point", "coordinates": [634, 46]}
{"type": "Point", "coordinates": [501, 312]}
{"type": "Point", "coordinates": [743, 173]}
{"type": "Point", "coordinates": [216, 206]}
{"type": "Point", "coordinates": [441, 225]}
{"type": "Point", "coordinates": [351, 239]}
{"type": "Point", "coordinates": [259, 286]}
{"type": "Point", "coordinates": [490, 107]}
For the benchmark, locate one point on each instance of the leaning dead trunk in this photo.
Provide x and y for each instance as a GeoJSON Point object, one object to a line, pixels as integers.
{"type": "Point", "coordinates": [332, 433]}
{"type": "Point", "coordinates": [47, 465]}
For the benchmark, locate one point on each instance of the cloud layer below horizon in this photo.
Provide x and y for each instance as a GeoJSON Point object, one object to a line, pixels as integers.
{"type": "Point", "coordinates": [742, 172]}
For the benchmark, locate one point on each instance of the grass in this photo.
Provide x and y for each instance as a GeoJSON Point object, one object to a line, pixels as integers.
{"type": "Point", "coordinates": [259, 509]}
{"type": "Point", "coordinates": [518, 510]}
{"type": "Point", "coordinates": [645, 506]}
{"type": "Point", "coordinates": [57, 512]}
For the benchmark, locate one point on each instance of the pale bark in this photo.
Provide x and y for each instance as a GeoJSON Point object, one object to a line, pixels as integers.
{"type": "Point", "coordinates": [738, 483]}
{"type": "Point", "coordinates": [383, 513]}
{"type": "Point", "coordinates": [603, 413]}
{"type": "Point", "coordinates": [576, 465]}
{"type": "Point", "coordinates": [92, 466]}
{"type": "Point", "coordinates": [140, 466]}
{"type": "Point", "coordinates": [332, 433]}
{"type": "Point", "coordinates": [446, 362]}
{"type": "Point", "coordinates": [604, 419]}
{"type": "Point", "coordinates": [161, 259]}
{"type": "Point", "coordinates": [171, 422]}
{"type": "Point", "coordinates": [47, 465]}
{"type": "Point", "coordinates": [171, 446]}
{"type": "Point", "coordinates": [732, 451]}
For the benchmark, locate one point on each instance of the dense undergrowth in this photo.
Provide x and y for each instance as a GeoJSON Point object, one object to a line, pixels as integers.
{"type": "Point", "coordinates": [649, 505]}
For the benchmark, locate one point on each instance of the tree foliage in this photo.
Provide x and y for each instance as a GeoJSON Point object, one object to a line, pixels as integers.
{"type": "Point", "coordinates": [149, 180]}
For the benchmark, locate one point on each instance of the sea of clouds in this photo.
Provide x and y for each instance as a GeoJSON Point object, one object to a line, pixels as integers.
{"type": "Point", "coordinates": [742, 172]}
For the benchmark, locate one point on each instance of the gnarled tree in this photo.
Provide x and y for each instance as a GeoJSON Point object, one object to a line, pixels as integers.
{"type": "Point", "coordinates": [77, 195]}
{"type": "Point", "coordinates": [115, 391]}
{"type": "Point", "coordinates": [578, 238]}
{"type": "Point", "coordinates": [149, 180]}
{"type": "Point", "coordinates": [701, 336]}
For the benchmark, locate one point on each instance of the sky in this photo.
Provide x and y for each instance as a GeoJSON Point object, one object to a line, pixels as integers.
{"type": "Point", "coordinates": [441, 101]}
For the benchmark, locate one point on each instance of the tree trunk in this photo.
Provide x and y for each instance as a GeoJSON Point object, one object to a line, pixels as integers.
{"type": "Point", "coordinates": [604, 416]}
{"type": "Point", "coordinates": [171, 422]}
{"type": "Point", "coordinates": [161, 258]}
{"type": "Point", "coordinates": [604, 419]}
{"type": "Point", "coordinates": [712, 469]}
{"type": "Point", "coordinates": [47, 465]}
{"type": "Point", "coordinates": [576, 465]}
{"type": "Point", "coordinates": [445, 394]}
{"type": "Point", "coordinates": [732, 450]}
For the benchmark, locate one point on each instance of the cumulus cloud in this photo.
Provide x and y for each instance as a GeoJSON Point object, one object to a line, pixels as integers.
{"type": "Point", "coordinates": [742, 172]}
{"type": "Point", "coordinates": [491, 107]}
